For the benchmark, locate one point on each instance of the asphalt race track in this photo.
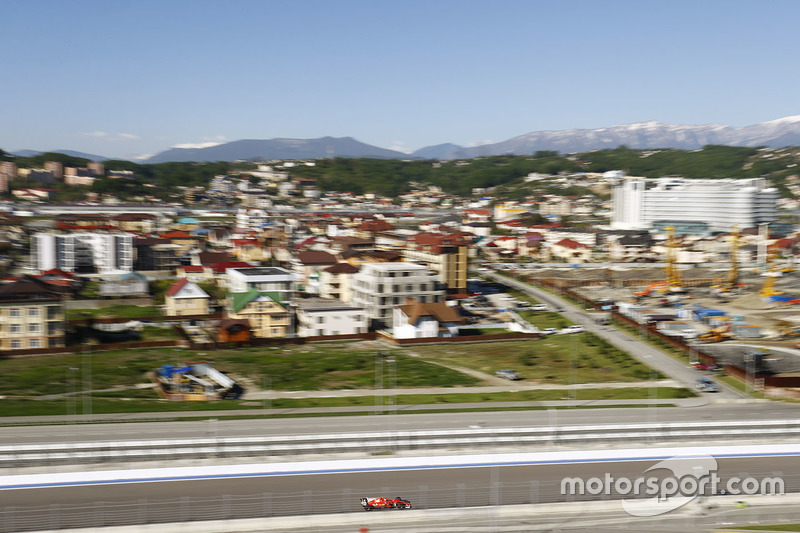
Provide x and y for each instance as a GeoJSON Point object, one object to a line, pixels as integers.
{"type": "Point", "coordinates": [127, 503]}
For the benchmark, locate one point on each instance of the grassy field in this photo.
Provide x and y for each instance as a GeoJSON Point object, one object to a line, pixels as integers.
{"type": "Point", "coordinates": [317, 367]}
{"type": "Point", "coordinates": [575, 358]}
{"type": "Point", "coordinates": [113, 375]}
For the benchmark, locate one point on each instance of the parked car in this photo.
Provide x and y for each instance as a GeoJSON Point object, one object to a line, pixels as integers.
{"type": "Point", "coordinates": [508, 373]}
{"type": "Point", "coordinates": [539, 307]}
{"type": "Point", "coordinates": [549, 331]}
{"type": "Point", "coordinates": [573, 329]}
{"type": "Point", "coordinates": [706, 385]}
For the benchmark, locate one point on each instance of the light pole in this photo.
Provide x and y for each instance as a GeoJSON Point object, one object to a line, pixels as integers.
{"type": "Point", "coordinates": [87, 381]}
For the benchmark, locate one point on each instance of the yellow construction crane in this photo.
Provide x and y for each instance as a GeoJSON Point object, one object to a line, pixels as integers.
{"type": "Point", "coordinates": [733, 273]}
{"type": "Point", "coordinates": [673, 275]}
{"type": "Point", "coordinates": [770, 274]}
{"type": "Point", "coordinates": [722, 288]}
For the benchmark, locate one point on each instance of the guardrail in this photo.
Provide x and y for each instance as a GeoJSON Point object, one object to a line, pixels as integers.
{"type": "Point", "coordinates": [376, 442]}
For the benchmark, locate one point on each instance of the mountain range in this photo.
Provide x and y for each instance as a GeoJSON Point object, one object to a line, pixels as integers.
{"type": "Point", "coordinates": [640, 135]}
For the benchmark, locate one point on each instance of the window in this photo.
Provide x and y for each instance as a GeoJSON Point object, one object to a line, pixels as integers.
{"type": "Point", "coordinates": [320, 320]}
{"type": "Point", "coordinates": [33, 328]}
{"type": "Point", "coordinates": [16, 345]}
{"type": "Point", "coordinates": [14, 313]}
{"type": "Point", "coordinates": [15, 328]}
{"type": "Point", "coordinates": [33, 311]}
{"type": "Point", "coordinates": [34, 343]}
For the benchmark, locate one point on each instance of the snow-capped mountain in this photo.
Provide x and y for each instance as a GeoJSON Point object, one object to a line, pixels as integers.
{"type": "Point", "coordinates": [649, 134]}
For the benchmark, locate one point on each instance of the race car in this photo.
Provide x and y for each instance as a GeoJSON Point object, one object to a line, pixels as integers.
{"type": "Point", "coordinates": [385, 503]}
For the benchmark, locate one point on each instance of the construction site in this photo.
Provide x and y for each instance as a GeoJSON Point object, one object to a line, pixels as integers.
{"type": "Point", "coordinates": [755, 308]}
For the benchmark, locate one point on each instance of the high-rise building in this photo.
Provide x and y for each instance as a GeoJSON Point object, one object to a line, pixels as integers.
{"type": "Point", "coordinates": [97, 169]}
{"type": "Point", "coordinates": [101, 253]}
{"type": "Point", "coordinates": [56, 168]}
{"type": "Point", "coordinates": [693, 205]}
{"type": "Point", "coordinates": [8, 171]}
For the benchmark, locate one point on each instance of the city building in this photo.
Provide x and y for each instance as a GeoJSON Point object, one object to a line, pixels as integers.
{"type": "Point", "coordinates": [693, 206]}
{"type": "Point", "coordinates": [335, 281]}
{"type": "Point", "coordinates": [31, 315]}
{"type": "Point", "coordinates": [318, 317]}
{"type": "Point", "coordinates": [8, 171]}
{"type": "Point", "coordinates": [380, 287]}
{"type": "Point", "coordinates": [86, 253]}
{"type": "Point", "coordinates": [445, 253]}
{"type": "Point", "coordinates": [56, 168]}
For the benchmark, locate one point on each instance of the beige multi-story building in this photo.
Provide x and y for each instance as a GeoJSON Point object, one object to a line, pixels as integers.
{"type": "Point", "coordinates": [447, 254]}
{"type": "Point", "coordinates": [31, 315]}
{"type": "Point", "coordinates": [334, 281]}
{"type": "Point", "coordinates": [185, 298]}
{"type": "Point", "coordinates": [56, 168]}
{"type": "Point", "coordinates": [8, 171]}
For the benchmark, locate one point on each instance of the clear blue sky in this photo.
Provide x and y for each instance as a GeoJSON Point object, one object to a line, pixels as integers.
{"type": "Point", "coordinates": [127, 77]}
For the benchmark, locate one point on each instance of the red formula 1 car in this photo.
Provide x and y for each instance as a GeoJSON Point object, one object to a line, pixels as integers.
{"type": "Point", "coordinates": [384, 503]}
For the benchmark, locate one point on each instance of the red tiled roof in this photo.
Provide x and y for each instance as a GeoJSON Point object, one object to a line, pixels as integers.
{"type": "Point", "coordinates": [177, 286]}
{"type": "Point", "coordinates": [176, 235]}
{"type": "Point", "coordinates": [220, 268]}
{"type": "Point", "coordinates": [569, 243]}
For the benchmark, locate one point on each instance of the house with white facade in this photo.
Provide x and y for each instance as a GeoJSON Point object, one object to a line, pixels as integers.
{"type": "Point", "coordinates": [416, 320]}
{"type": "Point", "coordinates": [319, 317]}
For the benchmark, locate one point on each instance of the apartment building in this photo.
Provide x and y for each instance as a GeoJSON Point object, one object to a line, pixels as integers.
{"type": "Point", "coordinates": [101, 253]}
{"type": "Point", "coordinates": [379, 287]}
{"type": "Point", "coordinates": [335, 281]}
{"type": "Point", "coordinates": [445, 253]}
{"type": "Point", "coordinates": [31, 315]}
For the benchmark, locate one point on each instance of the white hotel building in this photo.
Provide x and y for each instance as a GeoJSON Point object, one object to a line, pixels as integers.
{"type": "Point", "coordinates": [693, 205]}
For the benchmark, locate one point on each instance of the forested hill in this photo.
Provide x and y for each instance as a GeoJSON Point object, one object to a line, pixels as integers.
{"type": "Point", "coordinates": [391, 177]}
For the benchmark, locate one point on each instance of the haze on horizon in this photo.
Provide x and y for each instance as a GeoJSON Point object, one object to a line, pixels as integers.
{"type": "Point", "coordinates": [123, 79]}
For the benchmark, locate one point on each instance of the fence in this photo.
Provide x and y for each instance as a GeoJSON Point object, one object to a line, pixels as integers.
{"type": "Point", "coordinates": [19, 455]}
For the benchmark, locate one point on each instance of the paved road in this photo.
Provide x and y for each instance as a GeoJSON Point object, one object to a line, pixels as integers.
{"type": "Point", "coordinates": [338, 493]}
{"type": "Point", "coordinates": [640, 350]}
